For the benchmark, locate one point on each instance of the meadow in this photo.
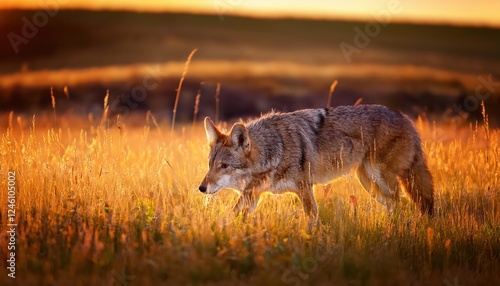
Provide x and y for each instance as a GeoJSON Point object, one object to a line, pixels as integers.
{"type": "Point", "coordinates": [102, 199]}
{"type": "Point", "coordinates": [99, 202]}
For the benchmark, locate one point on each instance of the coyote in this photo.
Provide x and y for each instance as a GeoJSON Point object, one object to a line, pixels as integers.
{"type": "Point", "coordinates": [289, 152]}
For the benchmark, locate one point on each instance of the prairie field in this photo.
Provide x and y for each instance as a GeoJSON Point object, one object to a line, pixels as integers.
{"type": "Point", "coordinates": [95, 194]}
{"type": "Point", "coordinates": [116, 203]}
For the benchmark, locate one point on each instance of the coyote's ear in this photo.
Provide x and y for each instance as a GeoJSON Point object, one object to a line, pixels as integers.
{"type": "Point", "coordinates": [239, 137]}
{"type": "Point", "coordinates": [213, 134]}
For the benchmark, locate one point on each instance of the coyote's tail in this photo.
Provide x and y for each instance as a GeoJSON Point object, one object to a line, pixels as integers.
{"type": "Point", "coordinates": [417, 181]}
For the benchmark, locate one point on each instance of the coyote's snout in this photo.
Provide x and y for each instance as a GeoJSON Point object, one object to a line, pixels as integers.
{"type": "Point", "coordinates": [289, 152]}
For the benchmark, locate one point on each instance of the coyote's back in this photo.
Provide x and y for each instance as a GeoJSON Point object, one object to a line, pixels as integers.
{"type": "Point", "coordinates": [291, 151]}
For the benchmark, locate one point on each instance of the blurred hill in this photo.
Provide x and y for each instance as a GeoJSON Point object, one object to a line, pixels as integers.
{"type": "Point", "coordinates": [261, 64]}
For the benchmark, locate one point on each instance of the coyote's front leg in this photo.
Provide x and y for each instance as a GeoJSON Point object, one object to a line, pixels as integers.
{"type": "Point", "coordinates": [247, 203]}
{"type": "Point", "coordinates": [306, 196]}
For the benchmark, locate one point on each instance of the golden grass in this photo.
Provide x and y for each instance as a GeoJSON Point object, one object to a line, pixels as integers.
{"type": "Point", "coordinates": [179, 88]}
{"type": "Point", "coordinates": [95, 203]}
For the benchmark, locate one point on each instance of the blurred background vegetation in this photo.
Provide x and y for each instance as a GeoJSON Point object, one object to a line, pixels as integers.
{"type": "Point", "coordinates": [261, 64]}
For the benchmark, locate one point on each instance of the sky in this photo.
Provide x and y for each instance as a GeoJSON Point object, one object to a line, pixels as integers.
{"type": "Point", "coordinates": [461, 12]}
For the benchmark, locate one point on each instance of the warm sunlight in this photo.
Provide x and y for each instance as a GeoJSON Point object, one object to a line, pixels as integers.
{"type": "Point", "coordinates": [250, 142]}
{"type": "Point", "coordinates": [482, 12]}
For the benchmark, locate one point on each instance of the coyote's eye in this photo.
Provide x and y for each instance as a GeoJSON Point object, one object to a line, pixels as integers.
{"type": "Point", "coordinates": [223, 166]}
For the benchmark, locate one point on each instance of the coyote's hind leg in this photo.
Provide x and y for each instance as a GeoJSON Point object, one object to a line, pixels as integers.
{"type": "Point", "coordinates": [382, 187]}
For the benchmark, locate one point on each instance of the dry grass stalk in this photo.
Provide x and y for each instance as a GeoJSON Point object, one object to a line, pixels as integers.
{"type": "Point", "coordinates": [104, 118]}
{"type": "Point", "coordinates": [20, 123]}
{"type": "Point", "coordinates": [486, 128]}
{"type": "Point", "coordinates": [179, 88]}
{"type": "Point", "coordinates": [33, 121]}
{"type": "Point", "coordinates": [119, 123]}
{"type": "Point", "coordinates": [150, 115]}
{"type": "Point", "coordinates": [332, 89]}
{"type": "Point", "coordinates": [66, 91]}
{"type": "Point", "coordinates": [11, 118]}
{"type": "Point", "coordinates": [53, 98]}
{"type": "Point", "coordinates": [217, 96]}
{"type": "Point", "coordinates": [485, 120]}
{"type": "Point", "coordinates": [196, 106]}
{"type": "Point", "coordinates": [358, 102]}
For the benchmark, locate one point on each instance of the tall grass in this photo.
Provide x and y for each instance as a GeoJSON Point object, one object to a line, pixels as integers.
{"type": "Point", "coordinates": [94, 204]}
{"type": "Point", "coordinates": [330, 94]}
{"type": "Point", "coordinates": [179, 88]}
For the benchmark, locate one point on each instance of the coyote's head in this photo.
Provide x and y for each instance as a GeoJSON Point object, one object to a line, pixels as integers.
{"type": "Point", "coordinates": [228, 160]}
